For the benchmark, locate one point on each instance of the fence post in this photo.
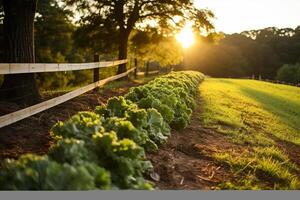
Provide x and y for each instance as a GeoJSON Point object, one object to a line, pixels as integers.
{"type": "Point", "coordinates": [158, 69]}
{"type": "Point", "coordinates": [136, 68]}
{"type": "Point", "coordinates": [147, 68]}
{"type": "Point", "coordinates": [96, 70]}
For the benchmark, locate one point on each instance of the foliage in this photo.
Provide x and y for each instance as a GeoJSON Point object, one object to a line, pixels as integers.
{"type": "Point", "coordinates": [150, 45]}
{"type": "Point", "coordinates": [145, 121]}
{"type": "Point", "coordinates": [80, 126]}
{"type": "Point", "coordinates": [256, 52]}
{"type": "Point", "coordinates": [108, 16]}
{"type": "Point", "coordinates": [53, 32]}
{"type": "Point", "coordinates": [124, 158]}
{"type": "Point", "coordinates": [289, 73]}
{"type": "Point", "coordinates": [106, 149]}
{"type": "Point", "coordinates": [107, 25]}
{"type": "Point", "coordinates": [171, 95]}
{"type": "Point", "coordinates": [54, 42]}
{"type": "Point", "coordinates": [32, 172]}
{"type": "Point", "coordinates": [71, 151]}
{"type": "Point", "coordinates": [157, 128]}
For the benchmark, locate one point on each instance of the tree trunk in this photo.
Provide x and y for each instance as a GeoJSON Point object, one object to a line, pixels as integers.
{"type": "Point", "coordinates": [19, 48]}
{"type": "Point", "coordinates": [123, 43]}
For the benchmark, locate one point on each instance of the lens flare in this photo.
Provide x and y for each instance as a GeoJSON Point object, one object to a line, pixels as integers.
{"type": "Point", "coordinates": [186, 37]}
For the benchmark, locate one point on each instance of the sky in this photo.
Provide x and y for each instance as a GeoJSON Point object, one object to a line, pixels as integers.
{"type": "Point", "coordinates": [234, 16]}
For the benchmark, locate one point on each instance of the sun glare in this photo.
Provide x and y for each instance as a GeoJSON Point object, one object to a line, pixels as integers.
{"type": "Point", "coordinates": [186, 37]}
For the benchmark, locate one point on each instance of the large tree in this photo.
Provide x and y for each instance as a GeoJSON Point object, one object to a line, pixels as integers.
{"type": "Point", "coordinates": [121, 17]}
{"type": "Point", "coordinates": [18, 47]}
{"type": "Point", "coordinates": [54, 44]}
{"type": "Point", "coordinates": [53, 33]}
{"type": "Point", "coordinates": [149, 45]}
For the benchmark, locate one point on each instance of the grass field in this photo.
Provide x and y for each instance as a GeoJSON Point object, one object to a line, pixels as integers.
{"type": "Point", "coordinates": [255, 116]}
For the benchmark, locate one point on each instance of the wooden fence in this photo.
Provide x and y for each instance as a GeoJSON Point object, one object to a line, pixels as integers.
{"type": "Point", "coordinates": [147, 73]}
{"type": "Point", "coordinates": [17, 68]}
{"type": "Point", "coordinates": [280, 82]}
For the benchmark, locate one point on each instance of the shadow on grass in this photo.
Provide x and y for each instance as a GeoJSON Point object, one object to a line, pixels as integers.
{"type": "Point", "coordinates": [288, 111]}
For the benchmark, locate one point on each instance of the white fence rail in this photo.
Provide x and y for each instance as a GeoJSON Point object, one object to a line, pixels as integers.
{"type": "Point", "coordinates": [20, 68]}
{"type": "Point", "coordinates": [32, 110]}
{"type": "Point", "coordinates": [149, 73]}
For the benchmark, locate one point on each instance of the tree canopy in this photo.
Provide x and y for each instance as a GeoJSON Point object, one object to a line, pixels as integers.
{"type": "Point", "coordinates": [112, 21]}
{"type": "Point", "coordinates": [149, 45]}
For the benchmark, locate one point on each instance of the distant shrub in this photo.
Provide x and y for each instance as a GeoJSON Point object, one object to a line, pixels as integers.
{"type": "Point", "coordinates": [289, 73]}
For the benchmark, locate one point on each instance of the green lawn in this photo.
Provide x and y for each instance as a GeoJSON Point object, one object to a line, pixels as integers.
{"type": "Point", "coordinates": [252, 114]}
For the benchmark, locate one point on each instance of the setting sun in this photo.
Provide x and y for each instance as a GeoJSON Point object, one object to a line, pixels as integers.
{"type": "Point", "coordinates": [186, 37]}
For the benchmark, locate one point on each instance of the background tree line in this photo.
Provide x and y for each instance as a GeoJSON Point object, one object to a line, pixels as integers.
{"type": "Point", "coordinates": [256, 52]}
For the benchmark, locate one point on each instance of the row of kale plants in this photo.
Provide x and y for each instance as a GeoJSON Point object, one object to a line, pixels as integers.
{"type": "Point", "coordinates": [105, 149]}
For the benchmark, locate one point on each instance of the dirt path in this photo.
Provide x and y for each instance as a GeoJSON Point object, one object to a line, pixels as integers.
{"type": "Point", "coordinates": [31, 135]}
{"type": "Point", "coordinates": [185, 162]}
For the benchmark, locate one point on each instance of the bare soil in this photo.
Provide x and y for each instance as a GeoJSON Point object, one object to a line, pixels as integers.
{"type": "Point", "coordinates": [186, 161]}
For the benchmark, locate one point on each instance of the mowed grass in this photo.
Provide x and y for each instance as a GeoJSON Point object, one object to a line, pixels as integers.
{"type": "Point", "coordinates": [252, 114]}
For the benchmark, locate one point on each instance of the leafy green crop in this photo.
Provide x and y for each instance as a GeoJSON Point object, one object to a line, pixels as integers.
{"type": "Point", "coordinates": [71, 151]}
{"type": "Point", "coordinates": [80, 126]}
{"type": "Point", "coordinates": [105, 149]}
{"type": "Point", "coordinates": [171, 95]}
{"type": "Point", "coordinates": [32, 172]}
{"type": "Point", "coordinates": [157, 128]}
{"type": "Point", "coordinates": [121, 156]}
{"type": "Point", "coordinates": [124, 158]}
